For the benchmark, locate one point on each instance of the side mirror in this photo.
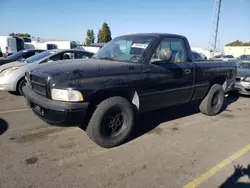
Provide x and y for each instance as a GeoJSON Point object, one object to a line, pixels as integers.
{"type": "Point", "coordinates": [50, 61]}
{"type": "Point", "coordinates": [164, 54]}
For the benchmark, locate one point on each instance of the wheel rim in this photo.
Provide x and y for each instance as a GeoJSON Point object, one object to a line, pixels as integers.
{"type": "Point", "coordinates": [114, 122]}
{"type": "Point", "coordinates": [216, 102]}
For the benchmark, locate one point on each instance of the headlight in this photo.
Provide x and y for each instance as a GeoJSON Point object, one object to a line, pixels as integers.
{"type": "Point", "coordinates": [66, 95]}
{"type": "Point", "coordinates": [247, 79]}
{"type": "Point", "coordinates": [7, 71]}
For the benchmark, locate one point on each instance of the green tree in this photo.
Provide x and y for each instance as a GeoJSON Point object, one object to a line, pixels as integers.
{"type": "Point", "coordinates": [26, 35]}
{"type": "Point", "coordinates": [238, 43]}
{"type": "Point", "coordinates": [20, 34]}
{"type": "Point", "coordinates": [104, 34]}
{"type": "Point", "coordinates": [90, 37]}
{"type": "Point", "coordinates": [99, 36]}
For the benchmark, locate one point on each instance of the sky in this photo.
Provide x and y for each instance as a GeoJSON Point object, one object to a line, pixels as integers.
{"type": "Point", "coordinates": [69, 20]}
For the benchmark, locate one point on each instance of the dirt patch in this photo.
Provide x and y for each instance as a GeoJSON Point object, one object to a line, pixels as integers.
{"type": "Point", "coordinates": [175, 128]}
{"type": "Point", "coordinates": [31, 160]}
{"type": "Point", "coordinates": [68, 145]}
{"type": "Point", "coordinates": [227, 115]}
{"type": "Point", "coordinates": [37, 135]}
{"type": "Point", "coordinates": [125, 175]}
{"type": "Point", "coordinates": [132, 172]}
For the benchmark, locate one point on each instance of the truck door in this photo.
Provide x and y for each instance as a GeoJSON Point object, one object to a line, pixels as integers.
{"type": "Point", "coordinates": [169, 82]}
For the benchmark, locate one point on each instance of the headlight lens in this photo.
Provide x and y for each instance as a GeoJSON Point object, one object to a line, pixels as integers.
{"type": "Point", "coordinates": [66, 95]}
{"type": "Point", "coordinates": [7, 71]}
{"type": "Point", "coordinates": [247, 79]}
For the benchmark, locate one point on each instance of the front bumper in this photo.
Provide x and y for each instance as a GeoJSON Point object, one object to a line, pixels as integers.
{"type": "Point", "coordinates": [242, 87]}
{"type": "Point", "coordinates": [55, 112]}
{"type": "Point", "coordinates": [7, 83]}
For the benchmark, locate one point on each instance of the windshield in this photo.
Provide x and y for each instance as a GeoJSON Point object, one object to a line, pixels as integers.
{"type": "Point", "coordinates": [126, 48]}
{"type": "Point", "coordinates": [39, 56]}
{"type": "Point", "coordinates": [243, 64]}
{"type": "Point", "coordinates": [218, 56]}
{"type": "Point", "coordinates": [16, 55]}
{"type": "Point", "coordinates": [229, 56]}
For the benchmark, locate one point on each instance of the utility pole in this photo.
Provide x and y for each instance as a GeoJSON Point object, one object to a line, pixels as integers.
{"type": "Point", "coordinates": [213, 41]}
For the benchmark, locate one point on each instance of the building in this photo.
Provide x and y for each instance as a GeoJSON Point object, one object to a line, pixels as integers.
{"type": "Point", "coordinates": [237, 51]}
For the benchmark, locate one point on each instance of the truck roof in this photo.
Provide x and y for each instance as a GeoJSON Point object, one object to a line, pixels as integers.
{"type": "Point", "coordinates": [156, 35]}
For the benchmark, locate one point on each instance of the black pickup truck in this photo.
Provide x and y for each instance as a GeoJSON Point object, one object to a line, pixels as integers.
{"type": "Point", "coordinates": [130, 74]}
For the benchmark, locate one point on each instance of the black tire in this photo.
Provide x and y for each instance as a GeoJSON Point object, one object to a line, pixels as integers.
{"type": "Point", "coordinates": [98, 129]}
{"type": "Point", "coordinates": [209, 106]}
{"type": "Point", "coordinates": [20, 86]}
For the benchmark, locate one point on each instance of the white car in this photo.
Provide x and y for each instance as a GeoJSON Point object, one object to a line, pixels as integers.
{"type": "Point", "coordinates": [224, 58]}
{"type": "Point", "coordinates": [12, 75]}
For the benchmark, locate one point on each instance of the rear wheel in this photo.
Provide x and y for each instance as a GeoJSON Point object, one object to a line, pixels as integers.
{"type": "Point", "coordinates": [213, 102]}
{"type": "Point", "coordinates": [111, 122]}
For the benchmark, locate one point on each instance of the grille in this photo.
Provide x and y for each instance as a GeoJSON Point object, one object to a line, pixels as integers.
{"type": "Point", "coordinates": [38, 84]}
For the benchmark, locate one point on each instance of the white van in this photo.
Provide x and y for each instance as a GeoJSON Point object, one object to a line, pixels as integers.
{"type": "Point", "coordinates": [64, 44]}
{"type": "Point", "coordinates": [8, 45]}
{"type": "Point", "coordinates": [41, 45]}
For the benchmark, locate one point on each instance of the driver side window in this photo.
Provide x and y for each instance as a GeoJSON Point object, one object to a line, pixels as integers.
{"type": "Point", "coordinates": [62, 56]}
{"type": "Point", "coordinates": [173, 46]}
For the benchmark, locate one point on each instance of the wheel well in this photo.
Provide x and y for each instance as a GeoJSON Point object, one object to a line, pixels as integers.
{"type": "Point", "coordinates": [219, 80]}
{"type": "Point", "coordinates": [130, 94]}
{"type": "Point", "coordinates": [21, 79]}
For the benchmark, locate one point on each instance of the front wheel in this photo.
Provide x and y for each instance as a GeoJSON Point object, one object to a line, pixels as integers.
{"type": "Point", "coordinates": [111, 123]}
{"type": "Point", "coordinates": [213, 102]}
{"type": "Point", "coordinates": [20, 86]}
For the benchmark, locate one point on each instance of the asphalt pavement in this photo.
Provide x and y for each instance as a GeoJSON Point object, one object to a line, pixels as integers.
{"type": "Point", "coordinates": [170, 148]}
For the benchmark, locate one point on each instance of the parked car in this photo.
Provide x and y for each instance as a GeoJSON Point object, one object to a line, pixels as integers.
{"type": "Point", "coordinates": [12, 74]}
{"type": "Point", "coordinates": [44, 46]}
{"type": "Point", "coordinates": [242, 84]}
{"type": "Point", "coordinates": [224, 58]}
{"type": "Point", "coordinates": [244, 56]}
{"type": "Point", "coordinates": [131, 74]}
{"type": "Point", "coordinates": [63, 44]}
{"type": "Point", "coordinates": [196, 56]}
{"type": "Point", "coordinates": [94, 47]}
{"type": "Point", "coordinates": [18, 56]}
{"type": "Point", "coordinates": [1, 54]}
{"type": "Point", "coordinates": [8, 45]}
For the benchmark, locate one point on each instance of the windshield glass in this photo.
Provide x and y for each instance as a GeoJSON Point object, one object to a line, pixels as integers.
{"type": "Point", "coordinates": [126, 48]}
{"type": "Point", "coordinates": [38, 56]}
{"type": "Point", "coordinates": [229, 56]}
{"type": "Point", "coordinates": [16, 55]}
{"type": "Point", "coordinates": [243, 64]}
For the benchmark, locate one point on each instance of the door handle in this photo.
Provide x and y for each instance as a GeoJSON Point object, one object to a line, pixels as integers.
{"type": "Point", "coordinates": [187, 71]}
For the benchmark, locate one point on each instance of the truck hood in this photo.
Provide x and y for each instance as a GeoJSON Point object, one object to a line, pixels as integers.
{"type": "Point", "coordinates": [243, 72]}
{"type": "Point", "coordinates": [86, 68]}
